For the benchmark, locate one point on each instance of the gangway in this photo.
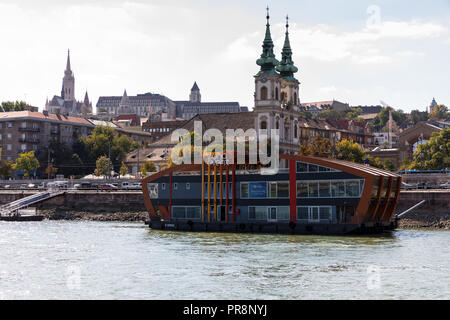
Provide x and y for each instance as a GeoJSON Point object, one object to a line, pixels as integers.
{"type": "Point", "coordinates": [9, 209]}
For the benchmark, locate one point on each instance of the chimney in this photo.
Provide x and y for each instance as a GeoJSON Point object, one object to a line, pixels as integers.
{"type": "Point", "coordinates": [45, 112]}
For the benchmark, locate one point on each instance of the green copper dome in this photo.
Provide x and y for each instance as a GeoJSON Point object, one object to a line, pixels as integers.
{"type": "Point", "coordinates": [267, 60]}
{"type": "Point", "coordinates": [286, 66]}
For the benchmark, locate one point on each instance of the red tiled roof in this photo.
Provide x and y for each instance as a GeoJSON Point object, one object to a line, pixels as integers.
{"type": "Point", "coordinates": [42, 116]}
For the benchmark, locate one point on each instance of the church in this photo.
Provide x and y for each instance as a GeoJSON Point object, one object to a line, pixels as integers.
{"type": "Point", "coordinates": [66, 104]}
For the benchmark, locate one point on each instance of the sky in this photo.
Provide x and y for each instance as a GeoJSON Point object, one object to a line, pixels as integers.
{"type": "Point", "coordinates": [355, 51]}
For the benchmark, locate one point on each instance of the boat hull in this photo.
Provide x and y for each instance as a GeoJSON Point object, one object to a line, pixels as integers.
{"type": "Point", "coordinates": [22, 218]}
{"type": "Point", "coordinates": [272, 227]}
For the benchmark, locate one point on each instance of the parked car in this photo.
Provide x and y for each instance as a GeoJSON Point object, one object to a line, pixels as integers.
{"type": "Point", "coordinates": [445, 185]}
{"type": "Point", "coordinates": [128, 185]}
{"type": "Point", "coordinates": [407, 186]}
{"type": "Point", "coordinates": [107, 186]}
{"type": "Point", "coordinates": [423, 185]}
{"type": "Point", "coordinates": [7, 186]}
{"type": "Point", "coordinates": [23, 186]}
{"type": "Point", "coordinates": [77, 186]}
{"type": "Point", "coordinates": [41, 185]}
{"type": "Point", "coordinates": [31, 186]}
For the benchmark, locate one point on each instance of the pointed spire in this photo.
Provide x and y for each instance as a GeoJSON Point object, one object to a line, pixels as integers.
{"type": "Point", "coordinates": [68, 61]}
{"type": "Point", "coordinates": [195, 87]}
{"type": "Point", "coordinates": [86, 99]}
{"type": "Point", "coordinates": [286, 66]}
{"type": "Point", "coordinates": [267, 60]}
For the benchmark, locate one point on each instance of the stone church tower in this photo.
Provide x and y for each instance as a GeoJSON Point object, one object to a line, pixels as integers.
{"type": "Point", "coordinates": [277, 94]}
{"type": "Point", "coordinates": [195, 95]}
{"type": "Point", "coordinates": [68, 88]}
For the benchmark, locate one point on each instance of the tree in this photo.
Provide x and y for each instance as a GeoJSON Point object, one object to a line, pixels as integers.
{"type": "Point", "coordinates": [103, 142]}
{"type": "Point", "coordinates": [51, 170]}
{"type": "Point", "coordinates": [123, 169]}
{"type": "Point", "coordinates": [435, 154]}
{"type": "Point", "coordinates": [418, 116]}
{"type": "Point", "coordinates": [147, 167]}
{"type": "Point", "coordinates": [101, 166]}
{"type": "Point", "coordinates": [26, 162]}
{"type": "Point", "coordinates": [350, 151]}
{"type": "Point", "coordinates": [383, 117]}
{"type": "Point", "coordinates": [66, 159]}
{"type": "Point", "coordinates": [6, 169]}
{"type": "Point", "coordinates": [318, 147]}
{"type": "Point", "coordinates": [331, 114]}
{"type": "Point", "coordinates": [439, 112]}
{"type": "Point", "coordinates": [8, 106]}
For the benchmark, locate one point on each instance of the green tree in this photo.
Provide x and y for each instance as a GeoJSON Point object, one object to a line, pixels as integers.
{"type": "Point", "coordinates": [418, 116]}
{"type": "Point", "coordinates": [9, 106]}
{"type": "Point", "coordinates": [434, 155]}
{"type": "Point", "coordinates": [6, 169]}
{"type": "Point", "coordinates": [101, 166]}
{"type": "Point", "coordinates": [332, 114]}
{"type": "Point", "coordinates": [26, 162]}
{"type": "Point", "coordinates": [103, 142]}
{"type": "Point", "coordinates": [318, 147]}
{"type": "Point", "coordinates": [350, 151]}
{"type": "Point", "coordinates": [440, 112]}
{"type": "Point", "coordinates": [147, 167]}
{"type": "Point", "coordinates": [123, 169]}
{"type": "Point", "coordinates": [383, 117]}
{"type": "Point", "coordinates": [51, 170]}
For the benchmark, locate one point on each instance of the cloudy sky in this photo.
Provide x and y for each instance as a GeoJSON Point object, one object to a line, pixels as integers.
{"type": "Point", "coordinates": [354, 51]}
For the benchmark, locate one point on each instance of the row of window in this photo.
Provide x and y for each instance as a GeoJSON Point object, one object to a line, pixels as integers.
{"type": "Point", "coordinates": [305, 189]}
{"type": "Point", "coordinates": [304, 213]}
{"type": "Point", "coordinates": [309, 167]}
{"type": "Point", "coordinates": [330, 189]}
{"type": "Point", "coordinates": [186, 212]}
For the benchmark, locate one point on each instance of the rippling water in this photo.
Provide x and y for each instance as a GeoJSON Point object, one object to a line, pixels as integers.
{"type": "Point", "coordinates": [105, 260]}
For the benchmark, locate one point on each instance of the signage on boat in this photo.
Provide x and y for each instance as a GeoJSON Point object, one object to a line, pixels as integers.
{"type": "Point", "coordinates": [257, 190]}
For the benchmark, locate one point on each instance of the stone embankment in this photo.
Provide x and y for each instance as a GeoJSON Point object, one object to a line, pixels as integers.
{"type": "Point", "coordinates": [69, 214]}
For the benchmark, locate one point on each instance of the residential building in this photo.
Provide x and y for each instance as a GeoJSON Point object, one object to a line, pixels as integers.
{"type": "Point", "coordinates": [317, 107]}
{"type": "Point", "coordinates": [24, 131]}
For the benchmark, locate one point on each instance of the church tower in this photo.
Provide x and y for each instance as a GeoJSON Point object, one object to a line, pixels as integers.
{"type": "Point", "coordinates": [68, 88]}
{"type": "Point", "coordinates": [195, 95]}
{"type": "Point", "coordinates": [267, 81]}
{"type": "Point", "coordinates": [289, 85]}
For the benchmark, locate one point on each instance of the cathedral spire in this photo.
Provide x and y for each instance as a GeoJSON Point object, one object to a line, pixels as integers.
{"type": "Point", "coordinates": [68, 70]}
{"type": "Point", "coordinates": [267, 60]}
{"type": "Point", "coordinates": [286, 66]}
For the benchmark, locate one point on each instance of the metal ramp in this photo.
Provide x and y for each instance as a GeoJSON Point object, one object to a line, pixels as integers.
{"type": "Point", "coordinates": [9, 208]}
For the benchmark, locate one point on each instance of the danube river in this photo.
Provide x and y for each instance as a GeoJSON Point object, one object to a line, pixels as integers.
{"type": "Point", "coordinates": [107, 260]}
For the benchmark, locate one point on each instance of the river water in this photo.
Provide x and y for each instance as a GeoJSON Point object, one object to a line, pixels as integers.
{"type": "Point", "coordinates": [109, 260]}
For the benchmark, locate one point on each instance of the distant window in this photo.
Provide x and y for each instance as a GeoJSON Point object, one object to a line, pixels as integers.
{"type": "Point", "coordinates": [188, 186]}
{"type": "Point", "coordinates": [175, 186]}
{"type": "Point", "coordinates": [263, 125]}
{"type": "Point", "coordinates": [263, 93]}
{"type": "Point", "coordinates": [163, 186]}
{"type": "Point", "coordinates": [276, 93]}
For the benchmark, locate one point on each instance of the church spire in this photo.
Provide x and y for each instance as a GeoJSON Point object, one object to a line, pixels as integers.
{"type": "Point", "coordinates": [68, 70]}
{"type": "Point", "coordinates": [267, 60]}
{"type": "Point", "coordinates": [286, 66]}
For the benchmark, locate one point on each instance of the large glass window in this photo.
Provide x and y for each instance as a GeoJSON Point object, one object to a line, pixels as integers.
{"type": "Point", "coordinates": [302, 213]}
{"type": "Point", "coordinates": [283, 189]}
{"type": "Point", "coordinates": [352, 188]}
{"type": "Point", "coordinates": [302, 189]}
{"type": "Point", "coordinates": [313, 168]}
{"type": "Point", "coordinates": [324, 189]}
{"type": "Point", "coordinates": [257, 213]}
{"type": "Point", "coordinates": [179, 212]}
{"type": "Point", "coordinates": [272, 189]}
{"type": "Point", "coordinates": [302, 167]}
{"type": "Point", "coordinates": [325, 213]}
{"type": "Point", "coordinates": [244, 190]}
{"type": "Point", "coordinates": [313, 189]}
{"type": "Point", "coordinates": [283, 213]}
{"type": "Point", "coordinates": [337, 189]}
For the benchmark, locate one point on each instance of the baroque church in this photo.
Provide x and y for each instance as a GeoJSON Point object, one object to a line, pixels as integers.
{"type": "Point", "coordinates": [66, 104]}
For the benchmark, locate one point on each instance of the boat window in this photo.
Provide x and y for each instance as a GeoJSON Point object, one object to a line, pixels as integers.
{"type": "Point", "coordinates": [272, 189]}
{"type": "Point", "coordinates": [337, 189]}
{"type": "Point", "coordinates": [257, 213]}
{"type": "Point", "coordinates": [283, 189]}
{"type": "Point", "coordinates": [312, 168]}
{"type": "Point", "coordinates": [302, 167]}
{"type": "Point", "coordinates": [175, 186]}
{"type": "Point", "coordinates": [188, 186]}
{"type": "Point", "coordinates": [302, 213]}
{"type": "Point", "coordinates": [283, 213]}
{"type": "Point", "coordinates": [163, 186]}
{"type": "Point", "coordinates": [325, 213]}
{"type": "Point", "coordinates": [244, 190]}
{"type": "Point", "coordinates": [352, 188]}
{"type": "Point", "coordinates": [313, 189]}
{"type": "Point", "coordinates": [302, 190]}
{"type": "Point", "coordinates": [324, 189]}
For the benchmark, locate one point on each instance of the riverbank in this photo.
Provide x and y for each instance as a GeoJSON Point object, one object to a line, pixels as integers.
{"type": "Point", "coordinates": [417, 220]}
{"type": "Point", "coordinates": [101, 215]}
